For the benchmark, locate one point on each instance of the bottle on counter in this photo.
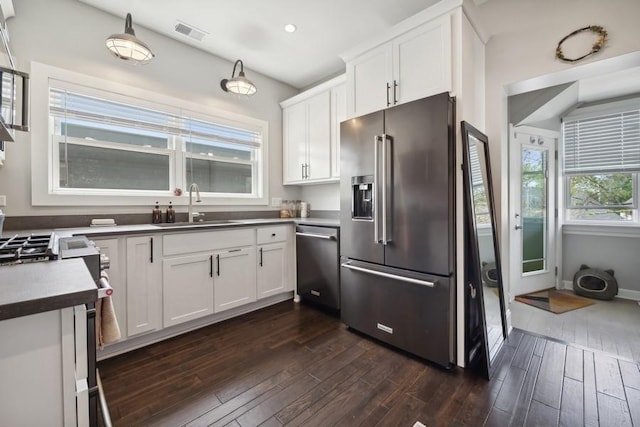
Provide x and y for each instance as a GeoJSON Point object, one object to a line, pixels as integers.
{"type": "Point", "coordinates": [171, 213]}
{"type": "Point", "coordinates": [157, 214]}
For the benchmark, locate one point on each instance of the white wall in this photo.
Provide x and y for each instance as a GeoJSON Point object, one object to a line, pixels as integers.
{"type": "Point", "coordinates": [69, 34]}
{"type": "Point", "coordinates": [606, 252]}
{"type": "Point", "coordinates": [527, 50]}
{"type": "Point", "coordinates": [522, 48]}
{"type": "Point", "coordinates": [325, 197]}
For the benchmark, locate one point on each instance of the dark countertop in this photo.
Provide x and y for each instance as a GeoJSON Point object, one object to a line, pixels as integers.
{"type": "Point", "coordinates": [96, 232]}
{"type": "Point", "coordinates": [43, 286]}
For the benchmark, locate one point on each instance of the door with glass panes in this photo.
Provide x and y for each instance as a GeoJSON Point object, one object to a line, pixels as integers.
{"type": "Point", "coordinates": [532, 224]}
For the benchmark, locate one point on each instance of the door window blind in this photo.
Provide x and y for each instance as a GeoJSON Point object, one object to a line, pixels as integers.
{"type": "Point", "coordinates": [604, 144]}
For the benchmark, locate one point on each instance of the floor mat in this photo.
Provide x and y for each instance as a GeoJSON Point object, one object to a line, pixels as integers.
{"type": "Point", "coordinates": [554, 301]}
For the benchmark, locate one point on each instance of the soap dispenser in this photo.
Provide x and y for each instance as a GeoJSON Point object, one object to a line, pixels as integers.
{"type": "Point", "coordinates": [171, 213]}
{"type": "Point", "coordinates": [157, 214]}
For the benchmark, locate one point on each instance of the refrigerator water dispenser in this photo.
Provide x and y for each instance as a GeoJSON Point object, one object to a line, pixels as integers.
{"type": "Point", "coordinates": [362, 197]}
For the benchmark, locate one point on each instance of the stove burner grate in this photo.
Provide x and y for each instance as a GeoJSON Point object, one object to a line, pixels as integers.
{"type": "Point", "coordinates": [28, 248]}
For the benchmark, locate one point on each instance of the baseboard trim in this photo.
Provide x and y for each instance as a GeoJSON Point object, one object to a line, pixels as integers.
{"type": "Point", "coordinates": [622, 293]}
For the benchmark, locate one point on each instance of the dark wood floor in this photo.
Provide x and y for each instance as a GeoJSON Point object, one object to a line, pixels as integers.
{"type": "Point", "coordinates": [293, 365]}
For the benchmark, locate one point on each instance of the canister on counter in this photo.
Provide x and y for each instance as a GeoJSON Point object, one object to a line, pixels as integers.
{"type": "Point", "coordinates": [305, 210]}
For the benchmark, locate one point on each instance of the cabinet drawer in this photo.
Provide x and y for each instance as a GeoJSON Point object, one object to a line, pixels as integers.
{"type": "Point", "coordinates": [182, 243]}
{"type": "Point", "coordinates": [273, 234]}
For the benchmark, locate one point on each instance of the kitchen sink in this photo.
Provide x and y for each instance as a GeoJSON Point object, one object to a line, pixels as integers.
{"type": "Point", "coordinates": [196, 223]}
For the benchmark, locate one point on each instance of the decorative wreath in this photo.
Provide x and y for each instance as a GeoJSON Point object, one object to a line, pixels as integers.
{"type": "Point", "coordinates": [599, 44]}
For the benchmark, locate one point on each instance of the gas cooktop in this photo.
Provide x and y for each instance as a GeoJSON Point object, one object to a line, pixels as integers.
{"type": "Point", "coordinates": [28, 248]}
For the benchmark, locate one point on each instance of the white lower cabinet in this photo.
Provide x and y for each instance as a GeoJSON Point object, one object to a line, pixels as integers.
{"type": "Point", "coordinates": [169, 279]}
{"type": "Point", "coordinates": [144, 285]}
{"type": "Point", "coordinates": [234, 278]}
{"type": "Point", "coordinates": [272, 269]}
{"type": "Point", "coordinates": [187, 288]}
{"type": "Point", "coordinates": [43, 369]}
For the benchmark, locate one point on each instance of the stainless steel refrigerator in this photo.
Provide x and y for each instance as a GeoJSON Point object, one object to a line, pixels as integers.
{"type": "Point", "coordinates": [397, 220]}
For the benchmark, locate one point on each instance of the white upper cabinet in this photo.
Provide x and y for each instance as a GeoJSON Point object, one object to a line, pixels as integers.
{"type": "Point", "coordinates": [338, 115]}
{"type": "Point", "coordinates": [295, 137]}
{"type": "Point", "coordinates": [319, 137]}
{"type": "Point", "coordinates": [369, 79]}
{"type": "Point", "coordinates": [422, 61]}
{"type": "Point", "coordinates": [412, 65]}
{"type": "Point", "coordinates": [311, 144]}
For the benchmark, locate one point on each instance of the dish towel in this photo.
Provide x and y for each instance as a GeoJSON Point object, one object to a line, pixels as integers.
{"type": "Point", "coordinates": [107, 329]}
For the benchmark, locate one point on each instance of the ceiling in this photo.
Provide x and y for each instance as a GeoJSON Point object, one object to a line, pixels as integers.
{"type": "Point", "coordinates": [253, 30]}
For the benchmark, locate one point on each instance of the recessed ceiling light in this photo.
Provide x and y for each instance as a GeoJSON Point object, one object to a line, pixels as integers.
{"type": "Point", "coordinates": [290, 28]}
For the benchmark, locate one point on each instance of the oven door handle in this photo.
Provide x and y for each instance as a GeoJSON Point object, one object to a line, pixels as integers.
{"type": "Point", "coordinates": [104, 289]}
{"type": "Point", "coordinates": [104, 408]}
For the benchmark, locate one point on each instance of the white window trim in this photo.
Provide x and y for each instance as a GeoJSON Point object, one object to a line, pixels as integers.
{"type": "Point", "coordinates": [594, 228]}
{"type": "Point", "coordinates": [603, 109]}
{"type": "Point", "coordinates": [42, 158]}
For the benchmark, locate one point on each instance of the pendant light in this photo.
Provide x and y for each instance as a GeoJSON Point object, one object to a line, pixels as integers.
{"type": "Point", "coordinates": [239, 85]}
{"type": "Point", "coordinates": [127, 46]}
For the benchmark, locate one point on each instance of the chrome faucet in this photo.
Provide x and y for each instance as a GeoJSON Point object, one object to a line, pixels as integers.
{"type": "Point", "coordinates": [191, 188]}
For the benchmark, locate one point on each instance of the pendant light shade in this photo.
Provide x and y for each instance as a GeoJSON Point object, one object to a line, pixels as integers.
{"type": "Point", "coordinates": [128, 47]}
{"type": "Point", "coordinates": [239, 85]}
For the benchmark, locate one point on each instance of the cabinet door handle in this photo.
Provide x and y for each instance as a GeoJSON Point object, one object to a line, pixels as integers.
{"type": "Point", "coordinates": [260, 257]}
{"type": "Point", "coordinates": [303, 171]}
{"type": "Point", "coordinates": [151, 250]}
{"type": "Point", "coordinates": [218, 265]}
{"type": "Point", "coordinates": [211, 266]}
{"type": "Point", "coordinates": [388, 87]}
{"type": "Point", "coordinates": [308, 170]}
{"type": "Point", "coordinates": [395, 92]}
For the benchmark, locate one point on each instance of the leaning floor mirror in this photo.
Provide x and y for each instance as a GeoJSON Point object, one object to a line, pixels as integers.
{"type": "Point", "coordinates": [485, 306]}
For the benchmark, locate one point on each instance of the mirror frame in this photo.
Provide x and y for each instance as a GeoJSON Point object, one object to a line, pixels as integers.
{"type": "Point", "coordinates": [473, 268]}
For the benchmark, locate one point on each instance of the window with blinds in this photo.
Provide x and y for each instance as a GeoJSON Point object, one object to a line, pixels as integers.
{"type": "Point", "coordinates": [608, 143]}
{"type": "Point", "coordinates": [601, 165]}
{"type": "Point", "coordinates": [104, 145]}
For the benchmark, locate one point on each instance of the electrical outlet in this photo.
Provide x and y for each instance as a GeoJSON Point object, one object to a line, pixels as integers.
{"type": "Point", "coordinates": [276, 202]}
{"type": "Point", "coordinates": [3, 200]}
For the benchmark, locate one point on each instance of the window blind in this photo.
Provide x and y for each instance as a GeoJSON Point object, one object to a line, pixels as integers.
{"type": "Point", "coordinates": [474, 161]}
{"type": "Point", "coordinates": [605, 144]}
{"type": "Point", "coordinates": [66, 104]}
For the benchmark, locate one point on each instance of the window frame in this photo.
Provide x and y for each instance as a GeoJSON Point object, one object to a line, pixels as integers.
{"type": "Point", "coordinates": [603, 109]}
{"type": "Point", "coordinates": [43, 160]}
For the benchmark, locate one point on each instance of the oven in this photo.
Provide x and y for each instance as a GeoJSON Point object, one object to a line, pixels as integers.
{"type": "Point", "coordinates": [81, 247]}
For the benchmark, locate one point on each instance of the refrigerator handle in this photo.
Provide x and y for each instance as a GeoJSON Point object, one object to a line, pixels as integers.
{"type": "Point", "coordinates": [376, 211]}
{"type": "Point", "coordinates": [384, 188]}
{"type": "Point", "coordinates": [387, 190]}
{"type": "Point", "coordinates": [388, 275]}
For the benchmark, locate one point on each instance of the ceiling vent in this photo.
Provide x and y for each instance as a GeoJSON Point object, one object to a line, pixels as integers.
{"type": "Point", "coordinates": [190, 31]}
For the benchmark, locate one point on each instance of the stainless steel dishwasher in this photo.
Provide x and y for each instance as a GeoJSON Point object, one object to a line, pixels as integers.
{"type": "Point", "coordinates": [318, 265]}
